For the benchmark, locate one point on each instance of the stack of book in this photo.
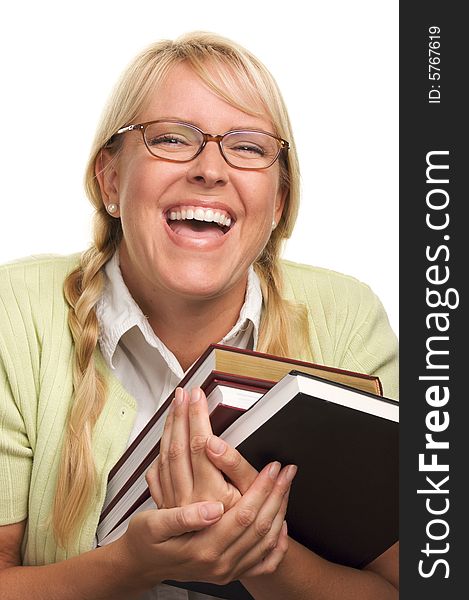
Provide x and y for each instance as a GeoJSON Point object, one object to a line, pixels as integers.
{"type": "Point", "coordinates": [334, 424]}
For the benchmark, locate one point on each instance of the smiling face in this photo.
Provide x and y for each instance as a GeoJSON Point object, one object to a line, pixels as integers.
{"type": "Point", "coordinates": [161, 252]}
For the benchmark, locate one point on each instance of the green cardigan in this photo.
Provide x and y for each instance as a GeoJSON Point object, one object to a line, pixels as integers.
{"type": "Point", "coordinates": [348, 328]}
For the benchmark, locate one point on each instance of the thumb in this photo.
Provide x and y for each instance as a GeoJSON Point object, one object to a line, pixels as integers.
{"type": "Point", "coordinates": [183, 519]}
{"type": "Point", "coordinates": [230, 462]}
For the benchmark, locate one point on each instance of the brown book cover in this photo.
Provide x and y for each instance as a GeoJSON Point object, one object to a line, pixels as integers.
{"type": "Point", "coordinates": [226, 413]}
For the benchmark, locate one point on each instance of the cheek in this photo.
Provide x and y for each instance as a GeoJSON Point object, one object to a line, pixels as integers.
{"type": "Point", "coordinates": [260, 222]}
{"type": "Point", "coordinates": [265, 204]}
{"type": "Point", "coordinates": [136, 187]}
{"type": "Point", "coordinates": [260, 192]}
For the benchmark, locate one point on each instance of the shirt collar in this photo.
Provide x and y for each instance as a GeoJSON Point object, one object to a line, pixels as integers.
{"type": "Point", "coordinates": [117, 312]}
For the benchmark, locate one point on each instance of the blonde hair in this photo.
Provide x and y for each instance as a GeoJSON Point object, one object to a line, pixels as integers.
{"type": "Point", "coordinates": [243, 81]}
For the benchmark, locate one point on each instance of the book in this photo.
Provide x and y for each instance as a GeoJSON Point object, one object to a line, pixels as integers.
{"type": "Point", "coordinates": [127, 488]}
{"type": "Point", "coordinates": [343, 503]}
{"type": "Point", "coordinates": [227, 400]}
{"type": "Point", "coordinates": [346, 445]}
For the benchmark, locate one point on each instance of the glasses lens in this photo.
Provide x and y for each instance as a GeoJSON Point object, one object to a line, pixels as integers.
{"type": "Point", "coordinates": [250, 149]}
{"type": "Point", "coordinates": [172, 140]}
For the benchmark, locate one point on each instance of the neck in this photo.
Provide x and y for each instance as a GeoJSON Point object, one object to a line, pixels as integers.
{"type": "Point", "coordinates": [187, 326]}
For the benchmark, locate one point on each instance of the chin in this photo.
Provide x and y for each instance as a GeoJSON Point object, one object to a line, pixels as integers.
{"type": "Point", "coordinates": [201, 290]}
{"type": "Point", "coordinates": [201, 282]}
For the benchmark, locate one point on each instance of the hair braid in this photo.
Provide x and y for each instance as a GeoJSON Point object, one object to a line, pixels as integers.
{"type": "Point", "coordinates": [77, 478]}
{"type": "Point", "coordinates": [284, 326]}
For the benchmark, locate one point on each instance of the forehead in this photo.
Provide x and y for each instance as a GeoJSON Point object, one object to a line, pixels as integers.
{"type": "Point", "coordinates": [185, 96]}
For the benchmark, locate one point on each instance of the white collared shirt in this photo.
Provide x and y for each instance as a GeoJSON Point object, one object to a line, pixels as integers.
{"type": "Point", "coordinates": [147, 369]}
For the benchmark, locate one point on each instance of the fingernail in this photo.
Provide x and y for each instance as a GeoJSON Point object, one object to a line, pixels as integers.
{"type": "Point", "coordinates": [195, 395]}
{"type": "Point", "coordinates": [216, 445]}
{"type": "Point", "coordinates": [285, 528]}
{"type": "Point", "coordinates": [179, 396]}
{"type": "Point", "coordinates": [212, 511]}
{"type": "Point", "coordinates": [291, 472]}
{"type": "Point", "coordinates": [274, 470]}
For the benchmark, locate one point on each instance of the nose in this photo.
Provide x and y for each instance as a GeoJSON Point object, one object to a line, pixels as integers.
{"type": "Point", "coordinates": [209, 167]}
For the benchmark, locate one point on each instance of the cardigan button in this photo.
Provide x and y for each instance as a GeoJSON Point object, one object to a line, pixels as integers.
{"type": "Point", "coordinates": [123, 413]}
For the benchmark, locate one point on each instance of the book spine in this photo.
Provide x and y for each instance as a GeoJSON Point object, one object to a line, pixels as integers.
{"type": "Point", "coordinates": [116, 494]}
{"type": "Point", "coordinates": [223, 416]}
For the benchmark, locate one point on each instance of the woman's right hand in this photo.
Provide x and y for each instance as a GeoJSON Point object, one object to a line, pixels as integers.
{"type": "Point", "coordinates": [184, 544]}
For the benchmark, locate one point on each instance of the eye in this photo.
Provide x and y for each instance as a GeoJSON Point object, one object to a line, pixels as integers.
{"type": "Point", "coordinates": [248, 148]}
{"type": "Point", "coordinates": [168, 140]}
{"type": "Point", "coordinates": [250, 145]}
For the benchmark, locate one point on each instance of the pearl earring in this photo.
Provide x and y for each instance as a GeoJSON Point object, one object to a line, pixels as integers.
{"type": "Point", "coordinates": [112, 208]}
{"type": "Point", "coordinates": [274, 225]}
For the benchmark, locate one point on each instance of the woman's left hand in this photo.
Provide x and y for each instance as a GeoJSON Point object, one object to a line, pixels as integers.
{"type": "Point", "coordinates": [182, 473]}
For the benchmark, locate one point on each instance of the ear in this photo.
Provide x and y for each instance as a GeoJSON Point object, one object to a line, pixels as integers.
{"type": "Point", "coordinates": [106, 172]}
{"type": "Point", "coordinates": [280, 203]}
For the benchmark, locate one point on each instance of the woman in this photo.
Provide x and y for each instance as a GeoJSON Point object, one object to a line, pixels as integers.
{"type": "Point", "coordinates": [188, 232]}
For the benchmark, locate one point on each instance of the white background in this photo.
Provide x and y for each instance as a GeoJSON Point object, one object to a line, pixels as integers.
{"type": "Point", "coordinates": [335, 61]}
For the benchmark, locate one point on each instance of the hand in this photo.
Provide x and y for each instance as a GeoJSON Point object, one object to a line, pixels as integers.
{"type": "Point", "coordinates": [242, 474]}
{"type": "Point", "coordinates": [156, 547]}
{"type": "Point", "coordinates": [182, 473]}
{"type": "Point", "coordinates": [187, 470]}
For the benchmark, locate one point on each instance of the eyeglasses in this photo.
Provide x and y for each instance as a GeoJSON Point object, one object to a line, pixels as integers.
{"type": "Point", "coordinates": [182, 142]}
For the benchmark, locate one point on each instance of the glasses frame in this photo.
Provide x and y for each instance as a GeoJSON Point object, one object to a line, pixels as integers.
{"type": "Point", "coordinates": [207, 137]}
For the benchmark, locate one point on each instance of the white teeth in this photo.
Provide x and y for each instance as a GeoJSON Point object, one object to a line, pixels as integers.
{"type": "Point", "coordinates": [200, 214]}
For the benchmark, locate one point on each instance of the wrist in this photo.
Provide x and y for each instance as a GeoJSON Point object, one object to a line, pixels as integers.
{"type": "Point", "coordinates": [126, 563]}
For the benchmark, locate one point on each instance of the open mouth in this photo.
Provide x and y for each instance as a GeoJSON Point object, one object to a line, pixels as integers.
{"type": "Point", "coordinates": [197, 222]}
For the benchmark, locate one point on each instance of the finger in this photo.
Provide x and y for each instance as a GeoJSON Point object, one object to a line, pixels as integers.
{"type": "Point", "coordinates": [240, 539]}
{"type": "Point", "coordinates": [152, 477]}
{"type": "Point", "coordinates": [272, 560]}
{"type": "Point", "coordinates": [228, 460]}
{"type": "Point", "coordinates": [200, 430]}
{"type": "Point", "coordinates": [275, 505]}
{"type": "Point", "coordinates": [262, 549]}
{"type": "Point", "coordinates": [166, 485]}
{"type": "Point", "coordinates": [271, 544]}
{"type": "Point", "coordinates": [179, 458]}
{"type": "Point", "coordinates": [261, 536]}
{"type": "Point", "coordinates": [170, 522]}
{"type": "Point", "coordinates": [238, 519]}
{"type": "Point", "coordinates": [284, 505]}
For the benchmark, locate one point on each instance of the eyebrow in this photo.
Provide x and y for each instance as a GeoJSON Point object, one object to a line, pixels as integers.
{"type": "Point", "coordinates": [196, 124]}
